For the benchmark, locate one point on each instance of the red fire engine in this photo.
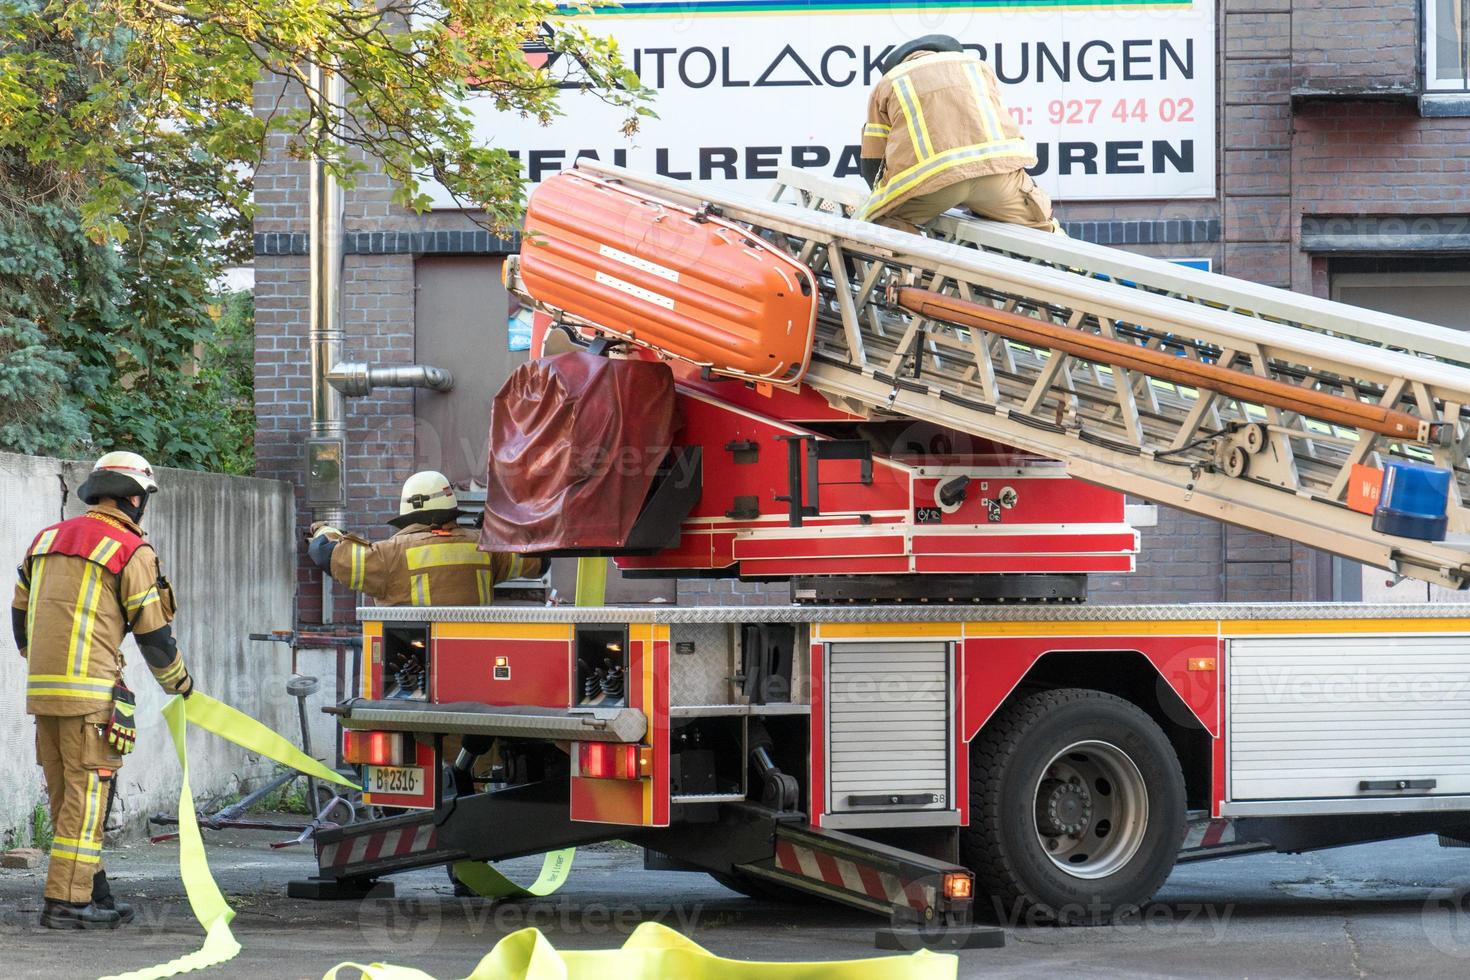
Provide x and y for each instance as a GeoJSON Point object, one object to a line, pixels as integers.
{"type": "Point", "coordinates": [931, 438]}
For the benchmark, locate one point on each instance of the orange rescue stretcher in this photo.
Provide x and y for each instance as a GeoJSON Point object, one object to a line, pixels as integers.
{"type": "Point", "coordinates": [684, 283]}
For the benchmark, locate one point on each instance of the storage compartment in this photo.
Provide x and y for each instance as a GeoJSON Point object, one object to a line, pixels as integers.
{"type": "Point", "coordinates": [1348, 718]}
{"type": "Point", "coordinates": [889, 726]}
{"type": "Point", "coordinates": [602, 667]}
{"type": "Point", "coordinates": [707, 757]}
{"type": "Point", "coordinates": [405, 662]}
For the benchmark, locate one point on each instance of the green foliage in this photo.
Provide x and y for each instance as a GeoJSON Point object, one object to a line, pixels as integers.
{"type": "Point", "coordinates": [290, 798]}
{"type": "Point", "coordinates": [42, 833]}
{"type": "Point", "coordinates": [128, 136]}
{"type": "Point", "coordinates": [123, 345]}
{"type": "Point", "coordinates": [37, 298]}
{"type": "Point", "coordinates": [182, 75]}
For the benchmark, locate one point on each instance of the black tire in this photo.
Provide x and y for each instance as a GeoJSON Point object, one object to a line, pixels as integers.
{"type": "Point", "coordinates": [1017, 879]}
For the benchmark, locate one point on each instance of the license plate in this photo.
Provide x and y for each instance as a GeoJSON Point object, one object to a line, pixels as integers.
{"type": "Point", "coordinates": [391, 779]}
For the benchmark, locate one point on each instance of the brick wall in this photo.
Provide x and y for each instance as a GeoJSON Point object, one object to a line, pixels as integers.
{"type": "Point", "coordinates": [377, 311]}
{"type": "Point", "coordinates": [1339, 45]}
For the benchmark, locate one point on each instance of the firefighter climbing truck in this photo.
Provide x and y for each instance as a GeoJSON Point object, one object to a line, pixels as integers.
{"type": "Point", "coordinates": [930, 438]}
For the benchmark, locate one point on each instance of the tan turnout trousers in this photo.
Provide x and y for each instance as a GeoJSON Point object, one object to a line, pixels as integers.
{"type": "Point", "coordinates": [1010, 197]}
{"type": "Point", "coordinates": [79, 767]}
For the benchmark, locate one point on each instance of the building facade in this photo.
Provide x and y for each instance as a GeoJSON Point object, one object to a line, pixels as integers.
{"type": "Point", "coordinates": [1341, 168]}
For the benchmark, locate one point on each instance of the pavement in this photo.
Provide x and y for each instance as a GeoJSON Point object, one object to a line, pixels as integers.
{"type": "Point", "coordinates": [1392, 909]}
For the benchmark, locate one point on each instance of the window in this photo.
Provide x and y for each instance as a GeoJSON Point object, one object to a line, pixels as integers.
{"type": "Point", "coordinates": [1447, 45]}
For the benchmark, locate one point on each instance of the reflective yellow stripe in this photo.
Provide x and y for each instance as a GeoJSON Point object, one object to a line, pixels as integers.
{"type": "Point", "coordinates": [104, 551]}
{"type": "Point", "coordinates": [878, 130]}
{"type": "Point", "coordinates": [913, 114]}
{"type": "Point", "coordinates": [48, 691]}
{"type": "Point", "coordinates": [517, 567]}
{"type": "Point", "coordinates": [145, 598]}
{"type": "Point", "coordinates": [906, 180]}
{"type": "Point", "coordinates": [420, 586]}
{"type": "Point", "coordinates": [992, 126]}
{"type": "Point", "coordinates": [359, 567]}
{"type": "Point", "coordinates": [486, 582]}
{"type": "Point", "coordinates": [71, 679]}
{"type": "Point", "coordinates": [72, 844]}
{"type": "Point", "coordinates": [84, 620]}
{"type": "Point", "coordinates": [38, 565]}
{"type": "Point", "coordinates": [92, 821]}
{"type": "Point", "coordinates": [448, 553]}
{"type": "Point", "coordinates": [43, 543]}
{"type": "Point", "coordinates": [172, 672]}
{"type": "Point", "coordinates": [80, 855]}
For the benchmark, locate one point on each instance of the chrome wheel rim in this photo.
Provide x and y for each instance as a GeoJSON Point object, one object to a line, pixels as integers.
{"type": "Point", "coordinates": [1090, 809]}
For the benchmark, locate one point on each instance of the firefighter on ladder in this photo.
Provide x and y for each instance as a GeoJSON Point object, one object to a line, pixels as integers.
{"type": "Point", "coordinates": [429, 561]}
{"type": "Point", "coordinates": [938, 137]}
{"type": "Point", "coordinates": [81, 587]}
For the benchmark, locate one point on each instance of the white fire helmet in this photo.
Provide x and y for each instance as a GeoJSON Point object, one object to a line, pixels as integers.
{"type": "Point", "coordinates": [118, 475]}
{"type": "Point", "coordinates": [427, 498]}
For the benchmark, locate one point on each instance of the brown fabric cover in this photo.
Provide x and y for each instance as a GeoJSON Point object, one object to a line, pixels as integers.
{"type": "Point", "coordinates": [574, 441]}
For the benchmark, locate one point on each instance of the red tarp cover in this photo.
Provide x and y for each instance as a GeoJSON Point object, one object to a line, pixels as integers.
{"type": "Point", "coordinates": [574, 442]}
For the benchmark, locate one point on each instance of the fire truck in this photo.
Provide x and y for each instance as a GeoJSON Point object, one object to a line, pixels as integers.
{"type": "Point", "coordinates": [931, 438]}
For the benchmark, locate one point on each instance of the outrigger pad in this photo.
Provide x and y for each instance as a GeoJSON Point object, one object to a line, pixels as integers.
{"type": "Point", "coordinates": [339, 889]}
{"type": "Point", "coordinates": [951, 937]}
{"type": "Point", "coordinates": [575, 444]}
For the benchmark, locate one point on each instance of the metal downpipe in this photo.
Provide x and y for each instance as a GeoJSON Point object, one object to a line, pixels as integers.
{"type": "Point", "coordinates": [333, 381]}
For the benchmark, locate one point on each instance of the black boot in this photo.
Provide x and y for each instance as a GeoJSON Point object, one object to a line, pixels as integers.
{"type": "Point", "coordinates": [102, 898]}
{"type": "Point", "coordinates": [65, 915]}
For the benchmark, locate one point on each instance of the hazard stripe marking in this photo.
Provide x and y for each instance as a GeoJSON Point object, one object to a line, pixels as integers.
{"type": "Point", "coordinates": [1209, 833]}
{"type": "Point", "coordinates": [378, 845]}
{"type": "Point", "coordinates": [851, 880]}
{"type": "Point", "coordinates": [851, 876]}
{"type": "Point", "coordinates": [830, 874]}
{"type": "Point", "coordinates": [872, 882]}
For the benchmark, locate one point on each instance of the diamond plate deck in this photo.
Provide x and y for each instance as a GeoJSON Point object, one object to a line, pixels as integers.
{"type": "Point", "coordinates": [1235, 612]}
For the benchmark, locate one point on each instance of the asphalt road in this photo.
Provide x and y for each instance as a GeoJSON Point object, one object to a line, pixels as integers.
{"type": "Point", "coordinates": [1393, 909]}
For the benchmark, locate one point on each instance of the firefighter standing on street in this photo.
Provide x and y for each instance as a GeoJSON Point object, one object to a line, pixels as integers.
{"type": "Point", "coordinates": [82, 586]}
{"type": "Point", "coordinates": [429, 561]}
{"type": "Point", "coordinates": [938, 137]}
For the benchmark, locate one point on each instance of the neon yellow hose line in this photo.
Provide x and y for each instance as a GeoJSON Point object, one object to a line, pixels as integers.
{"type": "Point", "coordinates": [209, 905]}
{"type": "Point", "coordinates": [656, 952]}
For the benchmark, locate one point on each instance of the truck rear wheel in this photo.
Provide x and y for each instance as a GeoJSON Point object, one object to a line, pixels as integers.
{"type": "Point", "coordinates": [1077, 809]}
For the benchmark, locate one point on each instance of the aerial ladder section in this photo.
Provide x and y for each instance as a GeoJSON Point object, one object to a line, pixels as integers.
{"type": "Point", "coordinates": [1224, 398]}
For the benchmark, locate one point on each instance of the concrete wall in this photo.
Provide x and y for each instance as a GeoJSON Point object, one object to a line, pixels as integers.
{"type": "Point", "coordinates": [226, 544]}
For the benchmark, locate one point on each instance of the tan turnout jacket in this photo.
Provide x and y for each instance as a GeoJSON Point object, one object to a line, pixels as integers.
{"type": "Point", "coordinates": [85, 583]}
{"type": "Point", "coordinates": [424, 565]}
{"type": "Point", "coordinates": [935, 120]}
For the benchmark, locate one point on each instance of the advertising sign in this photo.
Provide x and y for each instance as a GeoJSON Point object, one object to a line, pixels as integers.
{"type": "Point", "coordinates": [1118, 98]}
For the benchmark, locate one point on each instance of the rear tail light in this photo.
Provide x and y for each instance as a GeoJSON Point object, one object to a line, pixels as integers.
{"type": "Point", "coordinates": [375, 748]}
{"type": "Point", "coordinates": [612, 760]}
{"type": "Point", "coordinates": [959, 885]}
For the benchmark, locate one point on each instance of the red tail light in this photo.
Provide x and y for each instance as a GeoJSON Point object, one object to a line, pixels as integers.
{"type": "Point", "coordinates": [612, 760]}
{"type": "Point", "coordinates": [374, 748]}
